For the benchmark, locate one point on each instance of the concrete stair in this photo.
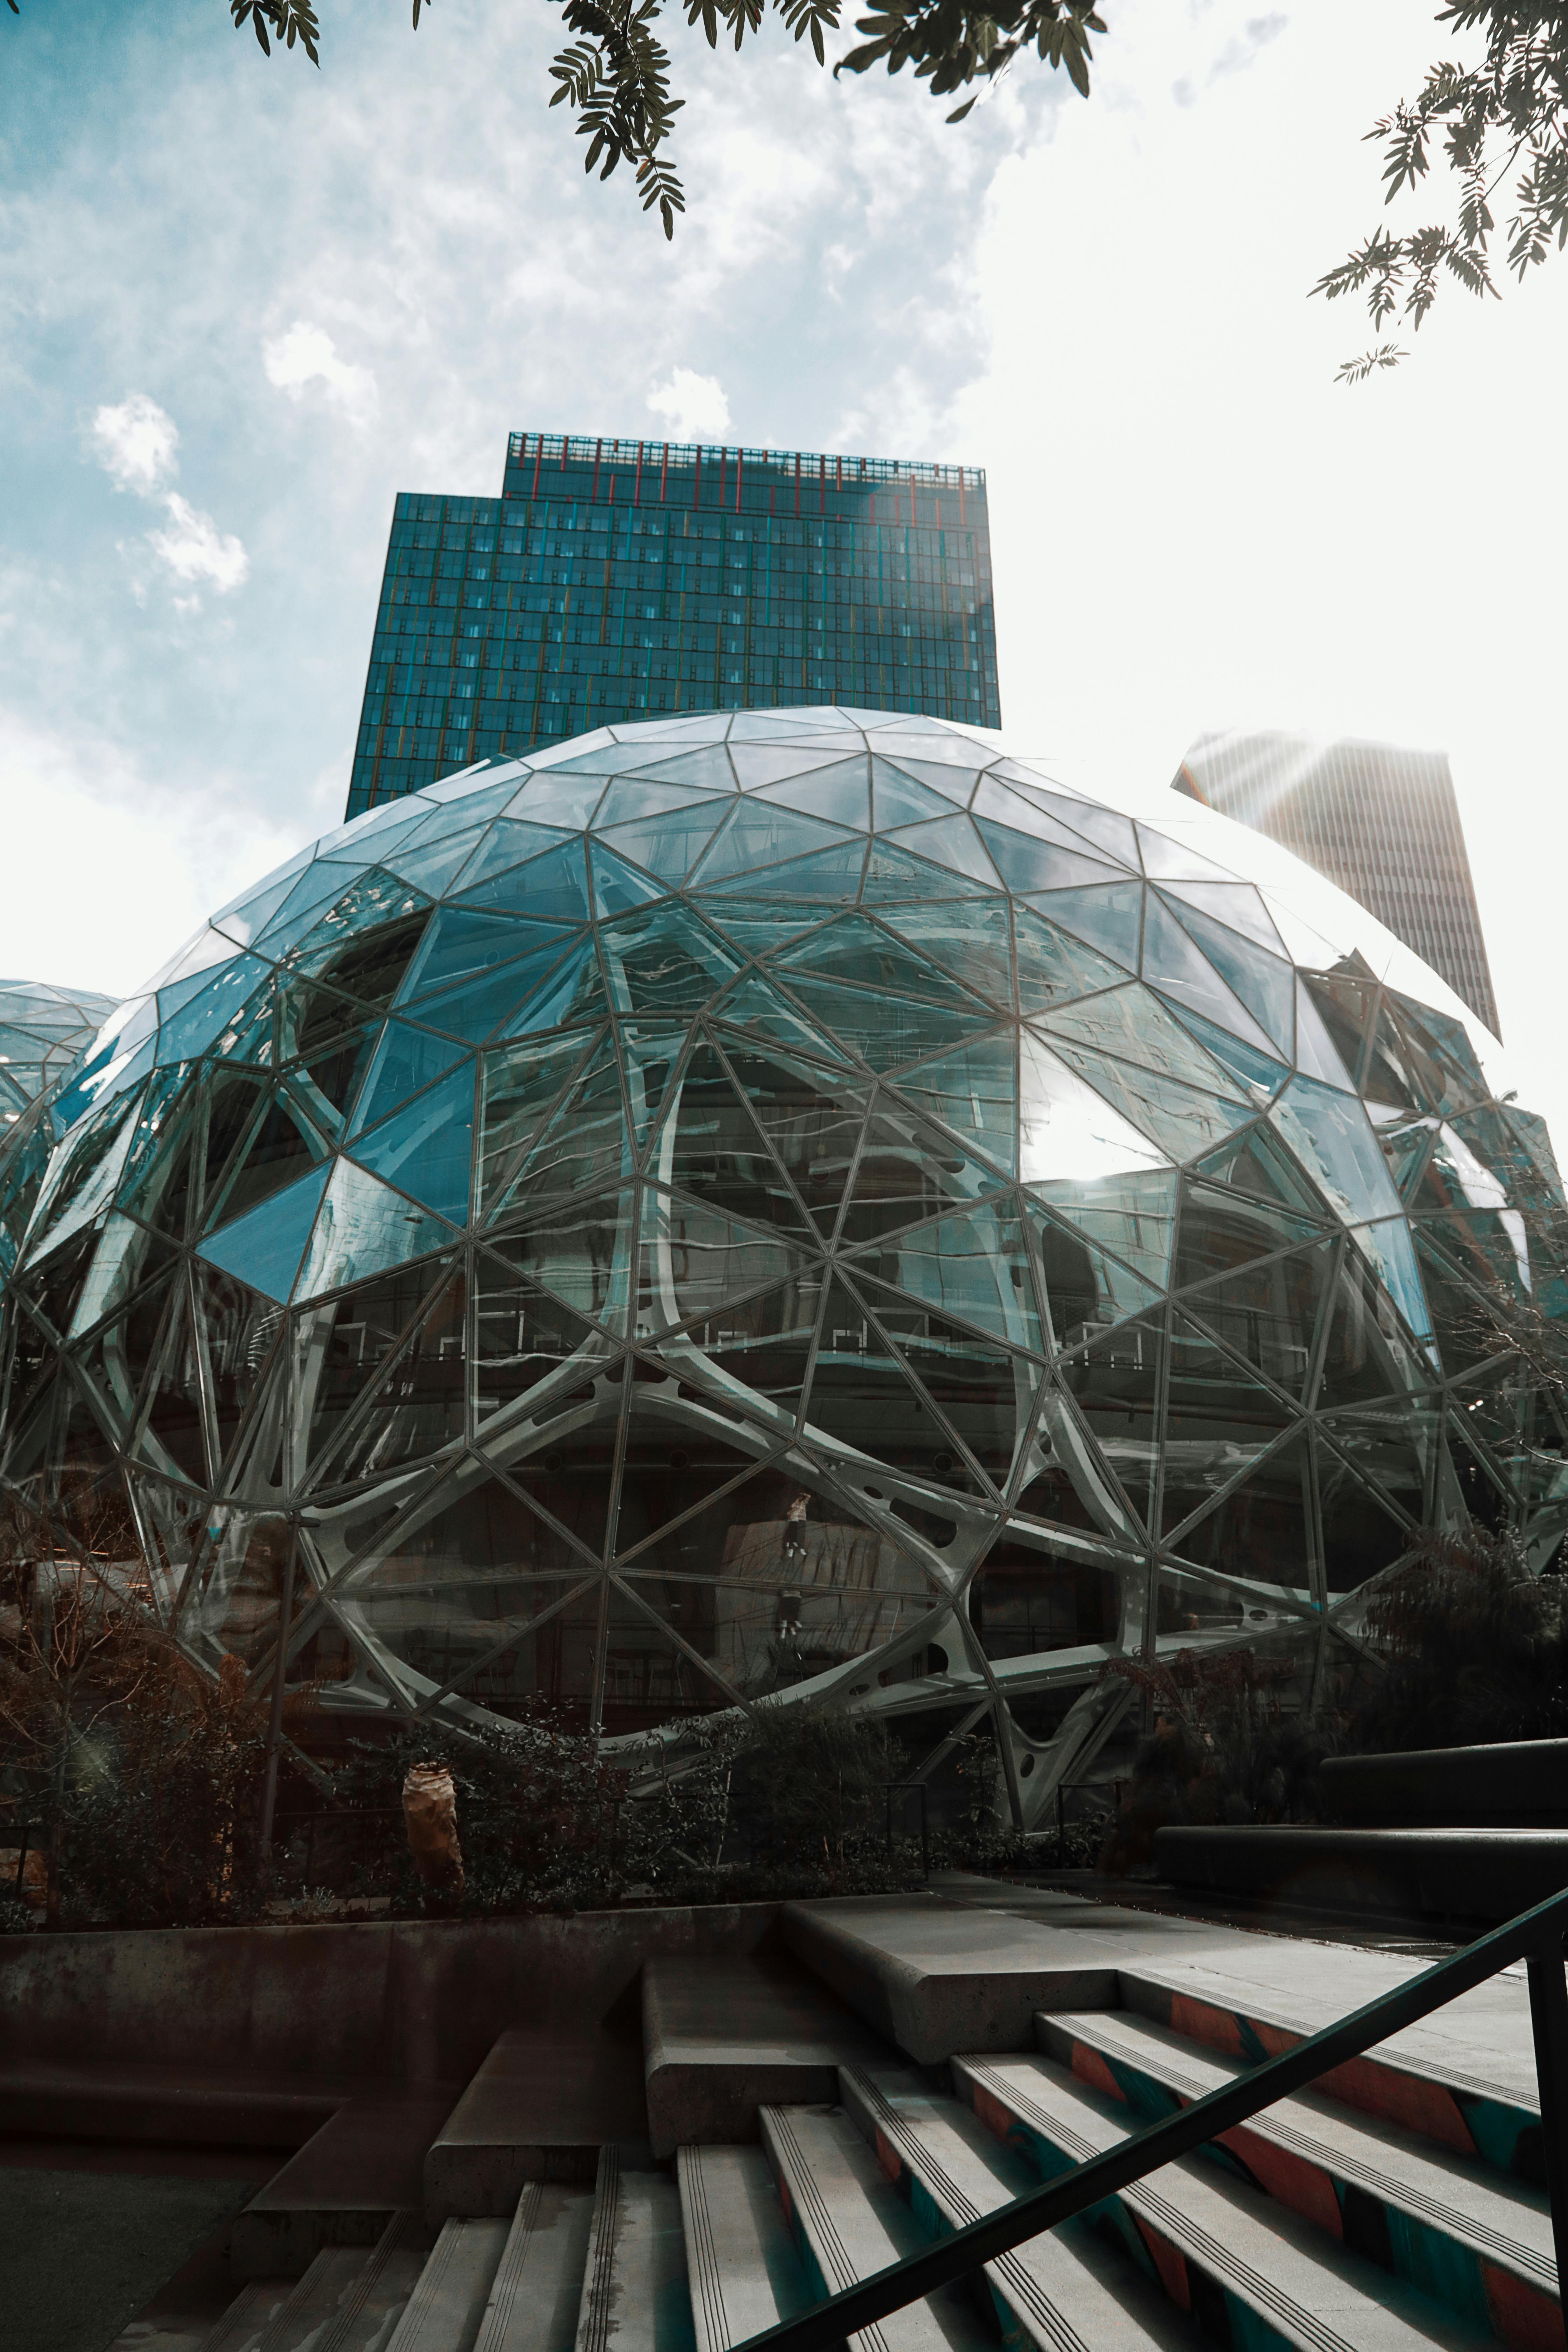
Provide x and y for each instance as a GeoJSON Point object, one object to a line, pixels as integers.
{"type": "Point", "coordinates": [787, 2129]}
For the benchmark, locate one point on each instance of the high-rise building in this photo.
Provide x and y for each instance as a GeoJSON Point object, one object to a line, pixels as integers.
{"type": "Point", "coordinates": [1381, 822]}
{"type": "Point", "coordinates": [615, 581]}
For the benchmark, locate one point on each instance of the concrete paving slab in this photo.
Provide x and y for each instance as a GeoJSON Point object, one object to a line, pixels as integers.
{"type": "Point", "coordinates": [724, 2037]}
{"type": "Point", "coordinates": [540, 2108]}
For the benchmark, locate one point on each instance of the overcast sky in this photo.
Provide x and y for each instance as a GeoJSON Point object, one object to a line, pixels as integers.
{"type": "Point", "coordinates": [242, 303]}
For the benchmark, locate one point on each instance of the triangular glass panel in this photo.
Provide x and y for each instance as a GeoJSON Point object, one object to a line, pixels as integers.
{"type": "Point", "coordinates": [190, 1033]}
{"type": "Point", "coordinates": [758, 834]}
{"type": "Point", "coordinates": [1182, 1120]}
{"type": "Point", "coordinates": [669, 845]}
{"type": "Point", "coordinates": [1173, 964]}
{"type": "Point", "coordinates": [365, 1227]}
{"type": "Point", "coordinates": [475, 1009]}
{"type": "Point", "coordinates": [1316, 1052]}
{"type": "Point", "coordinates": [572, 1480]}
{"type": "Point", "coordinates": [758, 765]}
{"type": "Point", "coordinates": [1026, 813]}
{"type": "Point", "coordinates": [55, 1287]}
{"type": "Point", "coordinates": [668, 1476]}
{"type": "Point", "coordinates": [921, 868]}
{"type": "Point", "coordinates": [553, 887]}
{"type": "Point", "coordinates": [1100, 827]}
{"type": "Point", "coordinates": [1362, 1535]}
{"type": "Point", "coordinates": [324, 879]}
{"type": "Point", "coordinates": [973, 1266]}
{"type": "Point", "coordinates": [629, 797]}
{"type": "Point", "coordinates": [860, 951]}
{"type": "Point", "coordinates": [1164, 858]}
{"type": "Point", "coordinates": [1367, 1354]}
{"type": "Point", "coordinates": [584, 1145]}
{"type": "Point", "coordinates": [975, 1092]}
{"type": "Point", "coordinates": [1131, 1023]}
{"type": "Point", "coordinates": [426, 1148]}
{"type": "Point", "coordinates": [1264, 984]}
{"type": "Point", "coordinates": [244, 920]}
{"type": "Point", "coordinates": [862, 1400]}
{"type": "Point", "coordinates": [242, 1333]}
{"type": "Point", "coordinates": [971, 939]}
{"type": "Point", "coordinates": [984, 1393]}
{"type": "Point", "coordinates": [406, 1060]}
{"type": "Point", "coordinates": [94, 1163]}
{"type": "Point", "coordinates": [573, 993]}
{"type": "Point", "coordinates": [375, 901]}
{"type": "Point", "coordinates": [1052, 966]}
{"type": "Point", "coordinates": [1238, 905]}
{"type": "Point", "coordinates": [948, 840]}
{"type": "Point", "coordinates": [898, 800]}
{"type": "Point", "coordinates": [1257, 1163]}
{"type": "Point", "coordinates": [522, 1335]}
{"type": "Point", "coordinates": [1088, 1289]}
{"type": "Point", "coordinates": [558, 799]}
{"type": "Point", "coordinates": [127, 1255]}
{"type": "Point", "coordinates": [339, 1348]}
{"type": "Point", "coordinates": [1407, 1149]}
{"type": "Point", "coordinates": [1330, 1134]}
{"type": "Point", "coordinates": [1115, 1384]}
{"type": "Point", "coordinates": [1224, 1229]}
{"type": "Point", "coordinates": [708, 770]}
{"type": "Point", "coordinates": [1110, 918]}
{"type": "Point", "coordinates": [1466, 1325]}
{"type": "Point", "coordinates": [480, 798]}
{"type": "Point", "coordinates": [650, 1053]}
{"type": "Point", "coordinates": [1134, 1216]}
{"type": "Point", "coordinates": [417, 1407]}
{"type": "Point", "coordinates": [618, 886]}
{"type": "Point", "coordinates": [758, 1008]}
{"type": "Point", "coordinates": [711, 1146]}
{"type": "Point", "coordinates": [1260, 1533]}
{"type": "Point", "coordinates": [1065, 1129]}
{"type": "Point", "coordinates": [1260, 1073]}
{"type": "Point", "coordinates": [1268, 1312]}
{"type": "Point", "coordinates": [694, 1260]}
{"type": "Point", "coordinates": [812, 1121]}
{"type": "Point", "coordinates": [327, 1082]}
{"type": "Point", "coordinates": [955, 783]}
{"type": "Point", "coordinates": [909, 1172]}
{"type": "Point", "coordinates": [265, 1245]}
{"type": "Point", "coordinates": [1389, 1250]}
{"type": "Point", "coordinates": [829, 874]}
{"type": "Point", "coordinates": [668, 963]}
{"type": "Point", "coordinates": [840, 793]}
{"type": "Point", "coordinates": [883, 1029]}
{"type": "Point", "coordinates": [520, 1083]}
{"type": "Point", "coordinates": [1026, 863]}
{"type": "Point", "coordinates": [463, 945]}
{"type": "Point", "coordinates": [581, 1253]}
{"type": "Point", "coordinates": [430, 865]}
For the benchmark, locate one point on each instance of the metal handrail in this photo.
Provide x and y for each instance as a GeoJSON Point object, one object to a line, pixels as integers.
{"type": "Point", "coordinates": [1535, 1937]}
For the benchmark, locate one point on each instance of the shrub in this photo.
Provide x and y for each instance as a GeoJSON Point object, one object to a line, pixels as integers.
{"type": "Point", "coordinates": [1474, 1647]}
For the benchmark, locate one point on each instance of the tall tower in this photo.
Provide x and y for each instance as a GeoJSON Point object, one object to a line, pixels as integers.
{"type": "Point", "coordinates": [1381, 822]}
{"type": "Point", "coordinates": [615, 581]}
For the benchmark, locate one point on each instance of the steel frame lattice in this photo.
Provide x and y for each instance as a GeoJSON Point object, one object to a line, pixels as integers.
{"type": "Point", "coordinates": [778, 1201]}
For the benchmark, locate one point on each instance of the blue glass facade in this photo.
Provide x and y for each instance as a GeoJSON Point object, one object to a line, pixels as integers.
{"type": "Point", "coordinates": [615, 581]}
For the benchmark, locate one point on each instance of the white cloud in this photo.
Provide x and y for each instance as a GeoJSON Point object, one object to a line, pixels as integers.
{"type": "Point", "coordinates": [306, 355]}
{"type": "Point", "coordinates": [694, 407]}
{"type": "Point", "coordinates": [195, 549]}
{"type": "Point", "coordinates": [135, 443]}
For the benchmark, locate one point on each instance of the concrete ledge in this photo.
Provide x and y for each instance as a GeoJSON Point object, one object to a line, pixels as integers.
{"type": "Point", "coordinates": [540, 2108]}
{"type": "Point", "coordinates": [1508, 1784]}
{"type": "Point", "coordinates": [723, 2038]}
{"type": "Point", "coordinates": [939, 1978]}
{"type": "Point", "coordinates": [343, 2186]}
{"type": "Point", "coordinates": [1439, 1873]}
{"type": "Point", "coordinates": [176, 2106]}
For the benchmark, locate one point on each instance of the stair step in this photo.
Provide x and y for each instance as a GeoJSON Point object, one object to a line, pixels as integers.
{"type": "Point", "coordinates": [848, 2222]}
{"type": "Point", "coordinates": [248, 2316]}
{"type": "Point", "coordinates": [449, 2302]}
{"type": "Point", "coordinates": [635, 2295]}
{"type": "Point", "coordinates": [1063, 2291]}
{"type": "Point", "coordinates": [1252, 2268]}
{"type": "Point", "coordinates": [724, 2037]}
{"type": "Point", "coordinates": [1479, 2245]}
{"type": "Point", "coordinates": [537, 2289]}
{"type": "Point", "coordinates": [540, 2105]}
{"type": "Point", "coordinates": [745, 2273]}
{"type": "Point", "coordinates": [1456, 2109]}
{"type": "Point", "coordinates": [330, 2282]}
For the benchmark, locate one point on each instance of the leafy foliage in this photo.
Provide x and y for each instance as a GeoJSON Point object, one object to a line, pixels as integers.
{"type": "Point", "coordinates": [1503, 124]}
{"type": "Point", "coordinates": [950, 45]}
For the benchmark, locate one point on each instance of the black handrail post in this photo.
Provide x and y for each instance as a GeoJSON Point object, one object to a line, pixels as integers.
{"type": "Point", "coordinates": [925, 1830]}
{"type": "Point", "coordinates": [1549, 2024]}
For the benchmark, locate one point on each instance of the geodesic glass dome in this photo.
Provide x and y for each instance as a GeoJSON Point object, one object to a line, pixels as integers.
{"type": "Point", "coordinates": [791, 1201]}
{"type": "Point", "coordinates": [42, 1031]}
